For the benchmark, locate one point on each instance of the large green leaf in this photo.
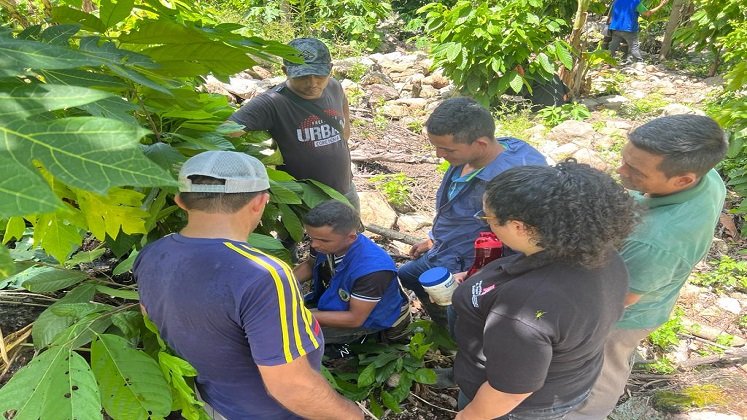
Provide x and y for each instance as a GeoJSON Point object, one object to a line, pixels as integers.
{"type": "Point", "coordinates": [190, 59]}
{"type": "Point", "coordinates": [22, 191]}
{"type": "Point", "coordinates": [22, 100]}
{"type": "Point", "coordinates": [57, 384]}
{"type": "Point", "coordinates": [18, 55]}
{"type": "Point", "coordinates": [7, 267]}
{"type": "Point", "coordinates": [114, 11]}
{"type": "Point", "coordinates": [331, 192]}
{"type": "Point", "coordinates": [159, 32]}
{"type": "Point", "coordinates": [177, 371]}
{"type": "Point", "coordinates": [48, 325]}
{"type": "Point", "coordinates": [264, 242]}
{"type": "Point", "coordinates": [66, 14]}
{"type": "Point", "coordinates": [48, 279]}
{"type": "Point", "coordinates": [280, 194]}
{"type": "Point", "coordinates": [57, 235]}
{"type": "Point", "coordinates": [86, 152]}
{"type": "Point", "coordinates": [131, 383]}
{"type": "Point", "coordinates": [291, 222]}
{"type": "Point", "coordinates": [83, 330]}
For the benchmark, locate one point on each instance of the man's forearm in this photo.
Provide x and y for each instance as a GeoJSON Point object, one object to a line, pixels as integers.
{"type": "Point", "coordinates": [490, 403]}
{"type": "Point", "coordinates": [312, 397]}
{"type": "Point", "coordinates": [303, 272]}
{"type": "Point", "coordinates": [342, 319]}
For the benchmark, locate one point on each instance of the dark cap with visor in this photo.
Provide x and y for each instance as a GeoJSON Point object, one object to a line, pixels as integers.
{"type": "Point", "coordinates": [317, 60]}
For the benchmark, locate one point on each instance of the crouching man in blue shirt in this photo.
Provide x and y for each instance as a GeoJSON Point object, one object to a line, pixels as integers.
{"type": "Point", "coordinates": [354, 288]}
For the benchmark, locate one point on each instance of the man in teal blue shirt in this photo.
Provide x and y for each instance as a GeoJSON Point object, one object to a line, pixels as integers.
{"type": "Point", "coordinates": [668, 164]}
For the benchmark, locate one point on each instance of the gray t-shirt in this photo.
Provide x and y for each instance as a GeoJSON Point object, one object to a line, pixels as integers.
{"type": "Point", "coordinates": [531, 324]}
{"type": "Point", "coordinates": [311, 148]}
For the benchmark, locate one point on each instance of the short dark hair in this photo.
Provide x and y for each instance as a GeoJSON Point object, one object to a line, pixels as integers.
{"type": "Point", "coordinates": [215, 202]}
{"type": "Point", "coordinates": [576, 213]}
{"type": "Point", "coordinates": [688, 143]}
{"type": "Point", "coordinates": [341, 217]}
{"type": "Point", "coordinates": [463, 118]}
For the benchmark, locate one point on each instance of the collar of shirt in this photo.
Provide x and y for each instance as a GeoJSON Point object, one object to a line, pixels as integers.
{"type": "Point", "coordinates": [676, 198]}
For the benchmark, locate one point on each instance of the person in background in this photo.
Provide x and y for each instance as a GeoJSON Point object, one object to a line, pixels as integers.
{"type": "Point", "coordinates": [668, 166]}
{"type": "Point", "coordinates": [355, 291]}
{"type": "Point", "coordinates": [530, 327]}
{"type": "Point", "coordinates": [309, 118]}
{"type": "Point", "coordinates": [623, 25]}
{"type": "Point", "coordinates": [233, 312]}
{"type": "Point", "coordinates": [463, 133]}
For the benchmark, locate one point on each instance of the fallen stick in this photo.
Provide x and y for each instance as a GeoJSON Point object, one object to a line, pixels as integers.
{"type": "Point", "coordinates": [359, 156]}
{"type": "Point", "coordinates": [393, 234]}
{"type": "Point", "coordinates": [731, 356]}
{"type": "Point", "coordinates": [709, 333]}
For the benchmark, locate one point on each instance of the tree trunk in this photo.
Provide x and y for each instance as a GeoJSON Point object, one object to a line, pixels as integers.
{"type": "Point", "coordinates": [716, 62]}
{"type": "Point", "coordinates": [674, 21]}
{"type": "Point", "coordinates": [570, 77]}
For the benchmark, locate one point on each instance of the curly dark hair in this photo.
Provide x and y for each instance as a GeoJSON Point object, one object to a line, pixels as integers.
{"type": "Point", "coordinates": [575, 213]}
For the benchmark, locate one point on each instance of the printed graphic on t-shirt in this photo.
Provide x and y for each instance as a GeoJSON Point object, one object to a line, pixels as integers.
{"type": "Point", "coordinates": [314, 129]}
{"type": "Point", "coordinates": [476, 293]}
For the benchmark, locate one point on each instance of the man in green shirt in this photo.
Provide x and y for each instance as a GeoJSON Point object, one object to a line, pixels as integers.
{"type": "Point", "coordinates": [668, 164]}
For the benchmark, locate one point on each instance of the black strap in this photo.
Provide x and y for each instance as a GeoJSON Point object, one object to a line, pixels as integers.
{"type": "Point", "coordinates": [309, 107]}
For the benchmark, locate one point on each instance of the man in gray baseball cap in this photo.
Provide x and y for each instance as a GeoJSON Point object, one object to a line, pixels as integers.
{"type": "Point", "coordinates": [235, 313]}
{"type": "Point", "coordinates": [308, 117]}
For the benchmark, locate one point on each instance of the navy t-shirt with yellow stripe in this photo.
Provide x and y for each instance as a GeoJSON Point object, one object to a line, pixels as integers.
{"type": "Point", "coordinates": [226, 307]}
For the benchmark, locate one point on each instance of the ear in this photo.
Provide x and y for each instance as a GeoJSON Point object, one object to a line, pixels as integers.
{"type": "Point", "coordinates": [257, 204]}
{"type": "Point", "coordinates": [685, 181]}
{"type": "Point", "coordinates": [179, 202]}
{"type": "Point", "coordinates": [483, 142]}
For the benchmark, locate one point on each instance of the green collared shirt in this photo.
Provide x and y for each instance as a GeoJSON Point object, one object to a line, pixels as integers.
{"type": "Point", "coordinates": [675, 233]}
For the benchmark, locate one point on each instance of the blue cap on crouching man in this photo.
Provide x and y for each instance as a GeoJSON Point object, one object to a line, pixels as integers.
{"type": "Point", "coordinates": [317, 60]}
{"type": "Point", "coordinates": [241, 173]}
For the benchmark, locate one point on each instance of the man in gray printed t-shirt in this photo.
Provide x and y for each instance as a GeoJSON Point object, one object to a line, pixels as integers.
{"type": "Point", "coordinates": [311, 146]}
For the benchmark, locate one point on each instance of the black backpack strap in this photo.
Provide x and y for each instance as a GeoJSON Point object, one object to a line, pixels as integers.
{"type": "Point", "coordinates": [309, 107]}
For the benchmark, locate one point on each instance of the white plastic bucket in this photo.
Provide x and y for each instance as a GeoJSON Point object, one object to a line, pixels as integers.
{"type": "Point", "coordinates": [439, 284]}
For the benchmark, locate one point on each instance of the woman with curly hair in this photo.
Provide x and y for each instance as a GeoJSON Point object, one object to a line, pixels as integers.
{"type": "Point", "coordinates": [531, 327]}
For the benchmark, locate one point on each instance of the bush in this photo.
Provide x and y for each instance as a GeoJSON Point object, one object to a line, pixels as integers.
{"type": "Point", "coordinates": [485, 49]}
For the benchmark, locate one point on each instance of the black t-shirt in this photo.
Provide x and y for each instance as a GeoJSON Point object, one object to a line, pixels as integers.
{"type": "Point", "coordinates": [311, 148]}
{"type": "Point", "coordinates": [529, 324]}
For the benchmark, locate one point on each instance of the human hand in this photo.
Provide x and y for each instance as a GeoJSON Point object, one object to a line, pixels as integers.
{"type": "Point", "coordinates": [647, 13]}
{"type": "Point", "coordinates": [460, 277]}
{"type": "Point", "coordinates": [420, 248]}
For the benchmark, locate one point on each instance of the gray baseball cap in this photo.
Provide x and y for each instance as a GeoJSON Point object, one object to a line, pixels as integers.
{"type": "Point", "coordinates": [318, 61]}
{"type": "Point", "coordinates": [241, 172]}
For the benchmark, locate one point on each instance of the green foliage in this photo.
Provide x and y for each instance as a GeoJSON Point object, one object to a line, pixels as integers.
{"type": "Point", "coordinates": [554, 115]}
{"type": "Point", "coordinates": [726, 275]}
{"type": "Point", "coordinates": [710, 23]}
{"type": "Point", "coordinates": [696, 396]}
{"type": "Point", "coordinates": [512, 121]}
{"type": "Point", "coordinates": [349, 23]}
{"type": "Point", "coordinates": [483, 48]}
{"type": "Point", "coordinates": [443, 167]}
{"type": "Point", "coordinates": [642, 108]}
{"type": "Point", "coordinates": [127, 382]}
{"type": "Point", "coordinates": [395, 187]}
{"type": "Point", "coordinates": [385, 373]}
{"type": "Point", "coordinates": [609, 83]}
{"type": "Point", "coordinates": [98, 110]}
{"type": "Point", "coordinates": [663, 365]}
{"type": "Point", "coordinates": [666, 336]}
